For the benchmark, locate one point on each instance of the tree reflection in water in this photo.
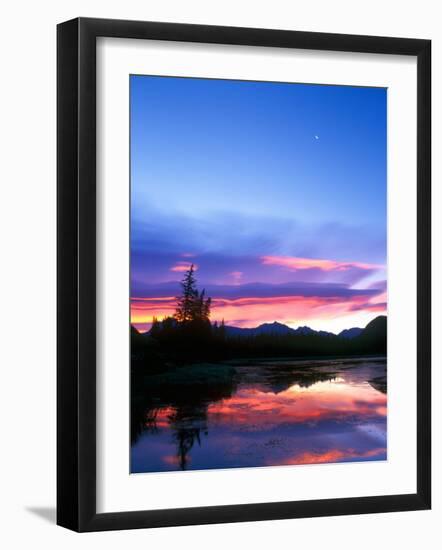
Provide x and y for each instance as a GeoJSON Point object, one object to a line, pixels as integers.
{"type": "Point", "coordinates": [188, 403]}
{"type": "Point", "coordinates": [187, 423]}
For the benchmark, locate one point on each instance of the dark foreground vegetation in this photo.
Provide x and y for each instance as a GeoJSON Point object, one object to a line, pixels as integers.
{"type": "Point", "coordinates": [174, 344]}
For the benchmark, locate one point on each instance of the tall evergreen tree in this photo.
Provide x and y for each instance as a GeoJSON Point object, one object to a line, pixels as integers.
{"type": "Point", "coordinates": [192, 305]}
{"type": "Point", "coordinates": [185, 310]}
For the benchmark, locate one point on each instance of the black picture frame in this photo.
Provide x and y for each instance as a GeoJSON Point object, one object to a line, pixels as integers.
{"type": "Point", "coordinates": [77, 287]}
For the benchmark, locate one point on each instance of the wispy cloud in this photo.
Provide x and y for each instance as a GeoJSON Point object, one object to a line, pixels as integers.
{"type": "Point", "coordinates": [237, 276]}
{"type": "Point", "coordinates": [265, 290]}
{"type": "Point", "coordinates": [182, 267]}
{"type": "Point", "coordinates": [294, 263]}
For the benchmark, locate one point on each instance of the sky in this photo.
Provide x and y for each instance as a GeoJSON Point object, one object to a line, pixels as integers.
{"type": "Point", "coordinates": [275, 192]}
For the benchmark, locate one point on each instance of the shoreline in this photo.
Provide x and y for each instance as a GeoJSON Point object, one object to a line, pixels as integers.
{"type": "Point", "coordinates": [299, 361]}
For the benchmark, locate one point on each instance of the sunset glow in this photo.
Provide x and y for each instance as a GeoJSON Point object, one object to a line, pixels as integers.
{"type": "Point", "coordinates": [252, 311]}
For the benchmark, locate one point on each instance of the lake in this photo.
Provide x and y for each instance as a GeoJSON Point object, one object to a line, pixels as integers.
{"type": "Point", "coordinates": [266, 413]}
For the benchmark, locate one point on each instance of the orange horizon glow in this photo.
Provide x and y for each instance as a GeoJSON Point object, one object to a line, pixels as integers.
{"type": "Point", "coordinates": [322, 313]}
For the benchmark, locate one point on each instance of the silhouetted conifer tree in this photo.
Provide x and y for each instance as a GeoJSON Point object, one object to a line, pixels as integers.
{"type": "Point", "coordinates": [192, 305]}
{"type": "Point", "coordinates": [185, 310]}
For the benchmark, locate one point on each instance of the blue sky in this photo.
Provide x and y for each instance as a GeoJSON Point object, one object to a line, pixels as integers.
{"type": "Point", "coordinates": [227, 174]}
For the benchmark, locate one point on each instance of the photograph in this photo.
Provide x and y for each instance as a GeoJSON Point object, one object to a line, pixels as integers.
{"type": "Point", "coordinates": [258, 274]}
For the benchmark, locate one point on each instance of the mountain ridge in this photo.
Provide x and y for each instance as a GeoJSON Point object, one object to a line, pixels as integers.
{"type": "Point", "coordinates": [277, 328]}
{"type": "Point", "coordinates": [350, 333]}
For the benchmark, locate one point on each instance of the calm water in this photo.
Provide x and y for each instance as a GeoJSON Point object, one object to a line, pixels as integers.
{"type": "Point", "coordinates": [273, 413]}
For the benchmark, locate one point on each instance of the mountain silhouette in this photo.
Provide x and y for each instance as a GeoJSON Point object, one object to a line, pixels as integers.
{"type": "Point", "coordinates": [374, 335]}
{"type": "Point", "coordinates": [276, 328]}
{"type": "Point", "coordinates": [307, 331]}
{"type": "Point", "coordinates": [377, 327]}
{"type": "Point", "coordinates": [350, 332]}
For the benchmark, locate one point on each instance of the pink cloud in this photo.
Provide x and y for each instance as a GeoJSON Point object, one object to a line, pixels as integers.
{"type": "Point", "coordinates": [294, 263]}
{"type": "Point", "coordinates": [237, 275]}
{"type": "Point", "coordinates": [181, 267]}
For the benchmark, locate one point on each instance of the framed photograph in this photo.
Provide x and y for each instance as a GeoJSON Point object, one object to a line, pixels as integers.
{"type": "Point", "coordinates": [241, 215]}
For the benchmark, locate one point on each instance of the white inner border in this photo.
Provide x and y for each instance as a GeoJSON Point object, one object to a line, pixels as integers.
{"type": "Point", "coordinates": [116, 489]}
